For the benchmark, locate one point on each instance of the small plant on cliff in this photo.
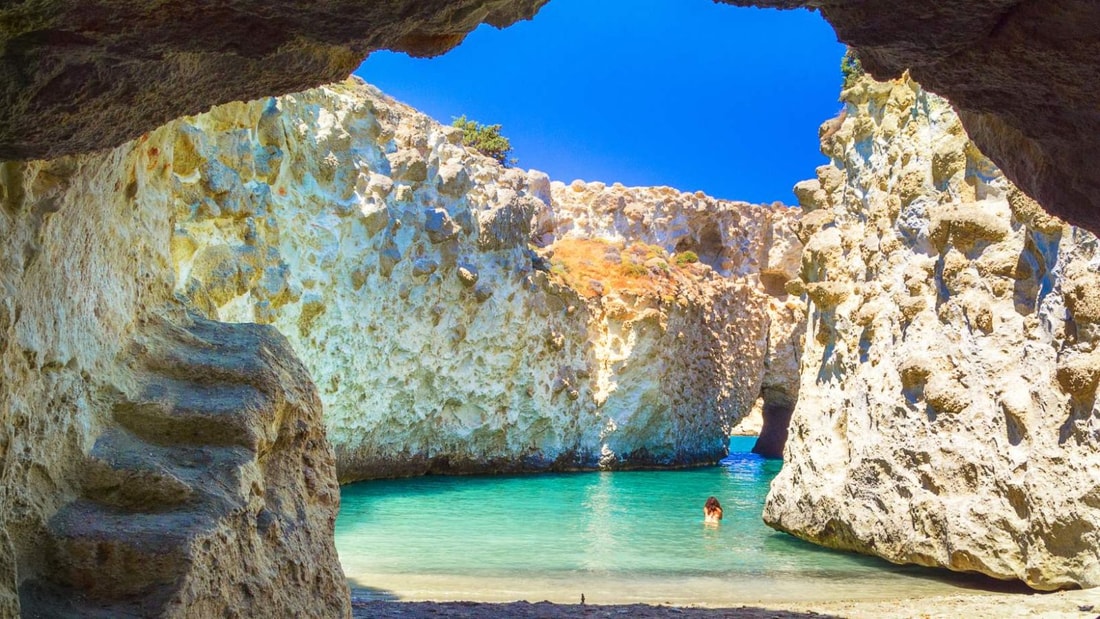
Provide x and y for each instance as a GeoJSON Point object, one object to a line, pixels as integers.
{"type": "Point", "coordinates": [686, 257]}
{"type": "Point", "coordinates": [850, 67]}
{"type": "Point", "coordinates": [486, 139]}
{"type": "Point", "coordinates": [628, 268]}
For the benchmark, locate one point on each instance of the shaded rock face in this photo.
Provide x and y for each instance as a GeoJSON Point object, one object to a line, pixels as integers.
{"type": "Point", "coordinates": [151, 464]}
{"type": "Point", "coordinates": [81, 76]}
{"type": "Point", "coordinates": [947, 410]}
{"type": "Point", "coordinates": [397, 263]}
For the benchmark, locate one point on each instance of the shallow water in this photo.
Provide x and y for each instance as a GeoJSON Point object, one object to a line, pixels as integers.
{"type": "Point", "coordinates": [616, 537]}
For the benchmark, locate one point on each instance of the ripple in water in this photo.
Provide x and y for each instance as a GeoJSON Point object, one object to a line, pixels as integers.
{"type": "Point", "coordinates": [617, 537]}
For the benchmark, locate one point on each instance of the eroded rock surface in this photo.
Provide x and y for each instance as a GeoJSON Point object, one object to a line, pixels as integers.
{"type": "Point", "coordinates": [947, 410]}
{"type": "Point", "coordinates": [398, 264]}
{"type": "Point", "coordinates": [736, 239]}
{"type": "Point", "coordinates": [151, 464]}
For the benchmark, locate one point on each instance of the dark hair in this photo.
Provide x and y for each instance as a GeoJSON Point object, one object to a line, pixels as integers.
{"type": "Point", "coordinates": [712, 504]}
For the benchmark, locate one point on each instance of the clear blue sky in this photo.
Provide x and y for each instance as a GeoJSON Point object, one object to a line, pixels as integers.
{"type": "Point", "coordinates": [685, 93]}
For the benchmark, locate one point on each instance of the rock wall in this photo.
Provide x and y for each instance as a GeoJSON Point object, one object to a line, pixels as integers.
{"type": "Point", "coordinates": [947, 410]}
{"type": "Point", "coordinates": [397, 263]}
{"type": "Point", "coordinates": [736, 239]}
{"type": "Point", "coordinates": [116, 496]}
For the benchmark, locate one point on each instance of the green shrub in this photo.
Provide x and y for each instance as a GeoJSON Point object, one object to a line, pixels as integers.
{"type": "Point", "coordinates": [632, 269]}
{"type": "Point", "coordinates": [486, 139]}
{"type": "Point", "coordinates": [850, 67]}
{"type": "Point", "coordinates": [686, 257]}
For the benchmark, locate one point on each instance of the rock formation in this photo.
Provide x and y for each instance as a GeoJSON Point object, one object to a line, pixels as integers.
{"type": "Point", "coordinates": [736, 239]}
{"type": "Point", "coordinates": [1020, 74]}
{"type": "Point", "coordinates": [87, 74]}
{"type": "Point", "coordinates": [947, 411]}
{"type": "Point", "coordinates": [153, 464]}
{"type": "Point", "coordinates": [86, 270]}
{"type": "Point", "coordinates": [397, 262]}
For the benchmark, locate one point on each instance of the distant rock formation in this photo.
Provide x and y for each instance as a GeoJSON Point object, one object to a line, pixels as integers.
{"type": "Point", "coordinates": [947, 413]}
{"type": "Point", "coordinates": [736, 239]}
{"type": "Point", "coordinates": [397, 262]}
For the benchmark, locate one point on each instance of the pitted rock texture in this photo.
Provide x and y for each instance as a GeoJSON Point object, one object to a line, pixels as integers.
{"type": "Point", "coordinates": [87, 312]}
{"type": "Point", "coordinates": [736, 239]}
{"type": "Point", "coordinates": [208, 494]}
{"type": "Point", "coordinates": [397, 262]}
{"type": "Point", "coordinates": [947, 411]}
{"type": "Point", "coordinates": [81, 76]}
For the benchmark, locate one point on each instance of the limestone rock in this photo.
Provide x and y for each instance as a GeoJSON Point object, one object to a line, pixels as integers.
{"type": "Point", "coordinates": [736, 239]}
{"type": "Point", "coordinates": [214, 471]}
{"type": "Point", "coordinates": [947, 414]}
{"type": "Point", "coordinates": [144, 451]}
{"type": "Point", "coordinates": [439, 340]}
{"type": "Point", "coordinates": [987, 59]}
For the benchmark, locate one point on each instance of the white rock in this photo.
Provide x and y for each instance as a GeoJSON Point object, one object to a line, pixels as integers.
{"type": "Point", "coordinates": [943, 418]}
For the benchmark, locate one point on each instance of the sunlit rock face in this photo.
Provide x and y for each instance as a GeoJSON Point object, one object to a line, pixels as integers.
{"type": "Point", "coordinates": [947, 411]}
{"type": "Point", "coordinates": [399, 264]}
{"type": "Point", "coordinates": [736, 239]}
{"type": "Point", "coordinates": [153, 464]}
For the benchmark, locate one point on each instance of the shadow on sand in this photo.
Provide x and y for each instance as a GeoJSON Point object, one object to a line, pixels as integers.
{"type": "Point", "coordinates": [546, 610]}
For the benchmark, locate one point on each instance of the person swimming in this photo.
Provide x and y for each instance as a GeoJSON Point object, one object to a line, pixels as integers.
{"type": "Point", "coordinates": [712, 511]}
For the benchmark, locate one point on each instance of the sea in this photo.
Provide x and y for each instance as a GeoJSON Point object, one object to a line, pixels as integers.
{"type": "Point", "coordinates": [613, 537]}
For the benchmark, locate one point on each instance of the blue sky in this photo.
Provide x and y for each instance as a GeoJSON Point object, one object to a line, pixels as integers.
{"type": "Point", "coordinates": [685, 93]}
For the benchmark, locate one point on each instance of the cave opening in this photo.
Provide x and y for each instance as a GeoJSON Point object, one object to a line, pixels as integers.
{"type": "Point", "coordinates": [701, 97]}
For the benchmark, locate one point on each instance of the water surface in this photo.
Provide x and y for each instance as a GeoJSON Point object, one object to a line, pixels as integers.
{"type": "Point", "coordinates": [616, 537]}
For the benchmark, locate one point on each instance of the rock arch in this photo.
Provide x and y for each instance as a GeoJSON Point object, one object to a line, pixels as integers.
{"type": "Point", "coordinates": [85, 75]}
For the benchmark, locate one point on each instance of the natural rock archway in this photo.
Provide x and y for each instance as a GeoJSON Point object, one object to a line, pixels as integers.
{"type": "Point", "coordinates": [88, 74]}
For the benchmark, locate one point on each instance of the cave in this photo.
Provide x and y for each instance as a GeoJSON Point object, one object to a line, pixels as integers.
{"type": "Point", "coordinates": [87, 76]}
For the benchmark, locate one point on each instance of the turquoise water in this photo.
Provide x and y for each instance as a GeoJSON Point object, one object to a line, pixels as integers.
{"type": "Point", "coordinates": [617, 537]}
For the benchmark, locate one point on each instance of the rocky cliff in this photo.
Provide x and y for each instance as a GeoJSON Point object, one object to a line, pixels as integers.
{"type": "Point", "coordinates": [736, 239]}
{"type": "Point", "coordinates": [397, 262]}
{"type": "Point", "coordinates": [947, 411]}
{"type": "Point", "coordinates": [153, 464]}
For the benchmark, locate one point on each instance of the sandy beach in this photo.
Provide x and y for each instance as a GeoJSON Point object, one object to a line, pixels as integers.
{"type": "Point", "coordinates": [1060, 605]}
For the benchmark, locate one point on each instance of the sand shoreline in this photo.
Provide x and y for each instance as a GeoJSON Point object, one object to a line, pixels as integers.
{"type": "Point", "coordinates": [1060, 605]}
